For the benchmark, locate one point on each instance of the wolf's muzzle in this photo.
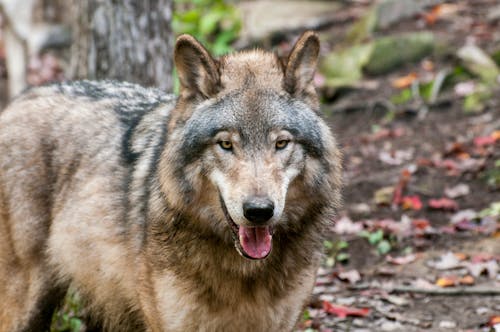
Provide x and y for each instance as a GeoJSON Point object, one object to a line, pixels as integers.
{"type": "Point", "coordinates": [258, 210]}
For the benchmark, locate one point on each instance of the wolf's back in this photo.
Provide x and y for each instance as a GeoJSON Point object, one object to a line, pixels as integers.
{"type": "Point", "coordinates": [70, 155]}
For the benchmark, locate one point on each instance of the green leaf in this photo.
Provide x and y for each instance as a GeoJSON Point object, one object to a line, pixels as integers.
{"type": "Point", "coordinates": [403, 97]}
{"type": "Point", "coordinates": [376, 237]}
{"type": "Point", "coordinates": [342, 245]}
{"type": "Point", "coordinates": [343, 257]}
{"type": "Point", "coordinates": [208, 23]}
{"type": "Point", "coordinates": [384, 247]}
{"type": "Point", "coordinates": [75, 324]}
{"type": "Point", "coordinates": [328, 244]}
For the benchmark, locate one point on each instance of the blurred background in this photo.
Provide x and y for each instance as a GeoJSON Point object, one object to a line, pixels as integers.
{"type": "Point", "coordinates": [411, 89]}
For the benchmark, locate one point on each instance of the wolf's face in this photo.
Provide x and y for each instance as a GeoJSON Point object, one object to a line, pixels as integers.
{"type": "Point", "coordinates": [252, 144]}
{"type": "Point", "coordinates": [248, 131]}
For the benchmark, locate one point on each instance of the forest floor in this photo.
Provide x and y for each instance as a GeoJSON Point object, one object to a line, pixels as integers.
{"type": "Point", "coordinates": [416, 246]}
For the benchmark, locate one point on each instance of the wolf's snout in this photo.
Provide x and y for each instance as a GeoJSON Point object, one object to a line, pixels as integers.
{"type": "Point", "coordinates": [258, 210]}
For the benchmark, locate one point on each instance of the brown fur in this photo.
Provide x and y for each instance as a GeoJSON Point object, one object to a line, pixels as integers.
{"type": "Point", "coordinates": [131, 216]}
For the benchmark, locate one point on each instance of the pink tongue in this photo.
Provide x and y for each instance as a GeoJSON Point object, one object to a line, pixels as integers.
{"type": "Point", "coordinates": [255, 241]}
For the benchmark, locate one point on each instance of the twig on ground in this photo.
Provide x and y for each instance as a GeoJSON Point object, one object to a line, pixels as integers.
{"type": "Point", "coordinates": [452, 291]}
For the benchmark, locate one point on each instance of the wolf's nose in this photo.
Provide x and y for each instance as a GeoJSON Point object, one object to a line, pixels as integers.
{"type": "Point", "coordinates": [258, 210]}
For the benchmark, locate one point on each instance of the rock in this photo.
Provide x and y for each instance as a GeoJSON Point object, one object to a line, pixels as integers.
{"type": "Point", "coordinates": [385, 13]}
{"type": "Point", "coordinates": [494, 14]}
{"type": "Point", "coordinates": [446, 324]}
{"type": "Point", "coordinates": [393, 51]}
{"type": "Point", "coordinates": [261, 19]}
{"type": "Point", "coordinates": [391, 326]}
{"type": "Point", "coordinates": [479, 63]}
{"type": "Point", "coordinates": [345, 67]}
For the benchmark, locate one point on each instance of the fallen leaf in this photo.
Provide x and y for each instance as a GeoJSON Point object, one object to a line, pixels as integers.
{"type": "Point", "coordinates": [397, 300]}
{"type": "Point", "coordinates": [397, 196]}
{"type": "Point", "coordinates": [482, 257]}
{"type": "Point", "coordinates": [455, 148]}
{"type": "Point", "coordinates": [447, 324]}
{"type": "Point", "coordinates": [494, 320]}
{"type": "Point", "coordinates": [346, 226]}
{"type": "Point", "coordinates": [466, 280]}
{"type": "Point", "coordinates": [401, 260]}
{"type": "Point", "coordinates": [464, 89]}
{"type": "Point", "coordinates": [411, 203]}
{"type": "Point", "coordinates": [384, 133]}
{"type": "Point", "coordinates": [384, 196]}
{"type": "Point", "coordinates": [443, 204]}
{"type": "Point", "coordinates": [463, 215]}
{"type": "Point", "coordinates": [484, 141]}
{"type": "Point", "coordinates": [448, 281]}
{"type": "Point", "coordinates": [421, 224]}
{"type": "Point", "coordinates": [459, 190]}
{"type": "Point", "coordinates": [404, 81]}
{"type": "Point", "coordinates": [352, 276]}
{"type": "Point", "coordinates": [344, 311]}
{"type": "Point", "coordinates": [395, 158]}
{"type": "Point", "coordinates": [460, 256]}
{"type": "Point", "coordinates": [490, 268]}
{"type": "Point", "coordinates": [447, 261]}
{"type": "Point", "coordinates": [428, 65]}
{"type": "Point", "coordinates": [440, 11]}
{"type": "Point", "coordinates": [422, 283]}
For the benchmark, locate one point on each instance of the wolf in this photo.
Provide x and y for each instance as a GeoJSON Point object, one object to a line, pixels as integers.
{"type": "Point", "coordinates": [205, 212]}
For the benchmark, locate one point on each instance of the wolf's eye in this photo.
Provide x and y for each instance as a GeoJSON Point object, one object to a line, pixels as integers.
{"type": "Point", "coordinates": [226, 145]}
{"type": "Point", "coordinates": [281, 144]}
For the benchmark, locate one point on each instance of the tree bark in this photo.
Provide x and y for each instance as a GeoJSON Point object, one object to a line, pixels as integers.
{"type": "Point", "coordinates": [126, 40]}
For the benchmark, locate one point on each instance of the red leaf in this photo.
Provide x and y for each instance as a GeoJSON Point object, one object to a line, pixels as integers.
{"type": "Point", "coordinates": [421, 223]}
{"type": "Point", "coordinates": [412, 202]}
{"type": "Point", "coordinates": [343, 311]}
{"type": "Point", "coordinates": [494, 320]}
{"type": "Point", "coordinates": [443, 204]}
{"type": "Point", "coordinates": [397, 197]}
{"type": "Point", "coordinates": [484, 140]}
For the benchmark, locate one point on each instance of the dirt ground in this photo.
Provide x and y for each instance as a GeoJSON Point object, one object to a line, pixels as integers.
{"type": "Point", "coordinates": [424, 153]}
{"type": "Point", "coordinates": [437, 148]}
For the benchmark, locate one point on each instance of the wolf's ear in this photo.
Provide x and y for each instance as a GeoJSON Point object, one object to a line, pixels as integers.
{"type": "Point", "coordinates": [196, 68]}
{"type": "Point", "coordinates": [301, 65]}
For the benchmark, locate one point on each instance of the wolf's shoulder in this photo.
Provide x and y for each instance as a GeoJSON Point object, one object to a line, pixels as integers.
{"type": "Point", "coordinates": [126, 98]}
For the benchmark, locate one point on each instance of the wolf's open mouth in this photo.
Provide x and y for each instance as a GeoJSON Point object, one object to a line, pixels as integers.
{"type": "Point", "coordinates": [251, 242]}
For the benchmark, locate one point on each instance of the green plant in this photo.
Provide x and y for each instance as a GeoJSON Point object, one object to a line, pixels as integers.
{"type": "Point", "coordinates": [68, 318]}
{"type": "Point", "coordinates": [335, 252]}
{"type": "Point", "coordinates": [215, 23]}
{"type": "Point", "coordinates": [492, 176]}
{"type": "Point", "coordinates": [378, 239]}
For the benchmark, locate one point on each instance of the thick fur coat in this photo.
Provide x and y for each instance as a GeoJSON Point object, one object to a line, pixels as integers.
{"type": "Point", "coordinates": [202, 213]}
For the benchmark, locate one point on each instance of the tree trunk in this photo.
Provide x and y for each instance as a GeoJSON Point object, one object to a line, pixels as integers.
{"type": "Point", "coordinates": [126, 40]}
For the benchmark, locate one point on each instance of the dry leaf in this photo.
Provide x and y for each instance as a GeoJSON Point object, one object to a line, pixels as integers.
{"type": "Point", "coordinates": [443, 204]}
{"type": "Point", "coordinates": [351, 276]}
{"type": "Point", "coordinates": [447, 261]}
{"type": "Point", "coordinates": [405, 81]}
{"type": "Point", "coordinates": [459, 190]}
{"type": "Point", "coordinates": [449, 281]}
{"type": "Point", "coordinates": [401, 260]}
{"type": "Point", "coordinates": [344, 311]}
{"type": "Point", "coordinates": [412, 203]}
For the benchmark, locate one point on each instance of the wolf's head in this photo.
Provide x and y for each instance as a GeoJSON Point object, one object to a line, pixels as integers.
{"type": "Point", "coordinates": [247, 154]}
